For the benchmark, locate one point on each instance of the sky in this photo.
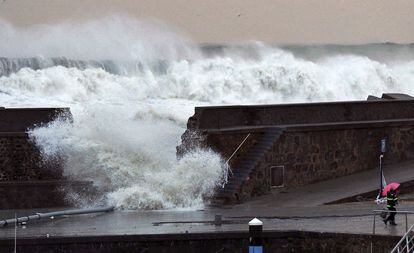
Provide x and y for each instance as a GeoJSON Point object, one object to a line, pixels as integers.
{"type": "Point", "coordinates": [233, 21]}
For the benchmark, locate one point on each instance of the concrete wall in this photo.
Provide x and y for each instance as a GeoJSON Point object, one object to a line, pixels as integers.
{"type": "Point", "coordinates": [231, 242]}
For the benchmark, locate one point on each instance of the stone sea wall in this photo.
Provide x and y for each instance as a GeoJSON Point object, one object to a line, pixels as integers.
{"type": "Point", "coordinates": [26, 179]}
{"type": "Point", "coordinates": [312, 155]}
{"type": "Point", "coordinates": [319, 141]}
{"type": "Point", "coordinates": [220, 117]}
{"type": "Point", "coordinates": [20, 160]}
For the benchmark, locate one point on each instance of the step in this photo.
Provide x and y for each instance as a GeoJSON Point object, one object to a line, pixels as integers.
{"type": "Point", "coordinates": [254, 153]}
{"type": "Point", "coordinates": [252, 158]}
{"type": "Point", "coordinates": [248, 163]}
{"type": "Point", "coordinates": [233, 184]}
{"type": "Point", "coordinates": [240, 175]}
{"type": "Point", "coordinates": [224, 195]}
{"type": "Point", "coordinates": [266, 142]}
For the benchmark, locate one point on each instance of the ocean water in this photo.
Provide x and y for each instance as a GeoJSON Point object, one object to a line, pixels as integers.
{"type": "Point", "coordinates": [132, 85]}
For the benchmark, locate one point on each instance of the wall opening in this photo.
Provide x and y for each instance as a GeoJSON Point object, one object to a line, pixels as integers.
{"type": "Point", "coordinates": [277, 176]}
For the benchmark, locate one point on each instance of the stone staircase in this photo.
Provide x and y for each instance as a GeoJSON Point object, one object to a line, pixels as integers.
{"type": "Point", "coordinates": [246, 166]}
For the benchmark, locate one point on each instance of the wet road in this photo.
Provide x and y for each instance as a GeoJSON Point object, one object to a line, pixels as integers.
{"type": "Point", "coordinates": [300, 209]}
{"type": "Point", "coordinates": [344, 218]}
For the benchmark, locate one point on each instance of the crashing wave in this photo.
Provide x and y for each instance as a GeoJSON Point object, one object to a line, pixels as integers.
{"type": "Point", "coordinates": [127, 123]}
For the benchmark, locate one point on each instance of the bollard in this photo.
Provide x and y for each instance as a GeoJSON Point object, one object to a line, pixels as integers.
{"type": "Point", "coordinates": [255, 236]}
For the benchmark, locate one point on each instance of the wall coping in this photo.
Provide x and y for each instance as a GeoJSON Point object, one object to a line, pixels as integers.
{"type": "Point", "coordinates": [316, 126]}
{"type": "Point", "coordinates": [214, 117]}
{"type": "Point", "coordinates": [33, 108]}
{"type": "Point", "coordinates": [22, 119]}
{"type": "Point", "coordinates": [44, 183]}
{"type": "Point", "coordinates": [309, 104]}
{"type": "Point", "coordinates": [14, 134]}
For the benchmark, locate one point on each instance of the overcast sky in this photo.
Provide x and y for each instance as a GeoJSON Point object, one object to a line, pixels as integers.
{"type": "Point", "coordinates": [218, 21]}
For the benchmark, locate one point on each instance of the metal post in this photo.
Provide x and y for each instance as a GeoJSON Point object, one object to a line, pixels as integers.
{"type": "Point", "coordinates": [381, 175]}
{"type": "Point", "coordinates": [373, 226]}
{"type": "Point", "coordinates": [406, 223]}
{"type": "Point", "coordinates": [15, 233]}
{"type": "Point", "coordinates": [381, 186]}
{"type": "Point", "coordinates": [255, 236]}
{"type": "Point", "coordinates": [383, 147]}
{"type": "Point", "coordinates": [406, 244]}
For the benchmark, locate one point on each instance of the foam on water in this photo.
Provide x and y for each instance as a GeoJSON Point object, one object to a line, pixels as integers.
{"type": "Point", "coordinates": [126, 127]}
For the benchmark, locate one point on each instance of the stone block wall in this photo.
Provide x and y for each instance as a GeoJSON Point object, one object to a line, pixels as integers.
{"type": "Point", "coordinates": [22, 119]}
{"type": "Point", "coordinates": [220, 117]}
{"type": "Point", "coordinates": [26, 179]}
{"type": "Point", "coordinates": [20, 160]}
{"type": "Point", "coordinates": [311, 155]}
{"type": "Point", "coordinates": [320, 140]}
{"type": "Point", "coordinates": [317, 153]}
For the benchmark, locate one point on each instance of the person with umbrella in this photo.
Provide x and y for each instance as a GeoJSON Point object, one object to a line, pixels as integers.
{"type": "Point", "coordinates": [391, 192]}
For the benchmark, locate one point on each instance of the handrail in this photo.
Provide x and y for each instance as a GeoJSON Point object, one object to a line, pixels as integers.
{"type": "Point", "coordinates": [409, 242]}
{"type": "Point", "coordinates": [237, 149]}
{"type": "Point", "coordinates": [228, 169]}
{"type": "Point", "coordinates": [405, 239]}
{"type": "Point", "coordinates": [38, 216]}
{"type": "Point", "coordinates": [380, 211]}
{"type": "Point", "coordinates": [388, 211]}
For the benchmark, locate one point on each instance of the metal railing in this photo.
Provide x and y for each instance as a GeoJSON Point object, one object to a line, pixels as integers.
{"type": "Point", "coordinates": [406, 213]}
{"type": "Point", "coordinates": [406, 244]}
{"type": "Point", "coordinates": [228, 169]}
{"type": "Point", "coordinates": [39, 216]}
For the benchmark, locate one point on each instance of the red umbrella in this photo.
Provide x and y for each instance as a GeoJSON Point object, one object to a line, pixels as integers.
{"type": "Point", "coordinates": [388, 187]}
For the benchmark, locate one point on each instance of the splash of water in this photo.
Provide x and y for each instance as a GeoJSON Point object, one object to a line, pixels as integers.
{"type": "Point", "coordinates": [130, 159]}
{"type": "Point", "coordinates": [126, 126]}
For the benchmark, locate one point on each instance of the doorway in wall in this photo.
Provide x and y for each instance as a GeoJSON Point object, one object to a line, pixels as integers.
{"type": "Point", "coordinates": [277, 176]}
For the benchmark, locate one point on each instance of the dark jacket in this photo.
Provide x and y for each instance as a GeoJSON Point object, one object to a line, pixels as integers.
{"type": "Point", "coordinates": [392, 199]}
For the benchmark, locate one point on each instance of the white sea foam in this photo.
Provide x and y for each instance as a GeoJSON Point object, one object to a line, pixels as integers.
{"type": "Point", "coordinates": [126, 127]}
{"type": "Point", "coordinates": [133, 160]}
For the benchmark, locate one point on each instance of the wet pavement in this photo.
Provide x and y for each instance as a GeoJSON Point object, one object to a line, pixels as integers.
{"type": "Point", "coordinates": [344, 218]}
{"type": "Point", "coordinates": [333, 190]}
{"type": "Point", "coordinates": [300, 209]}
